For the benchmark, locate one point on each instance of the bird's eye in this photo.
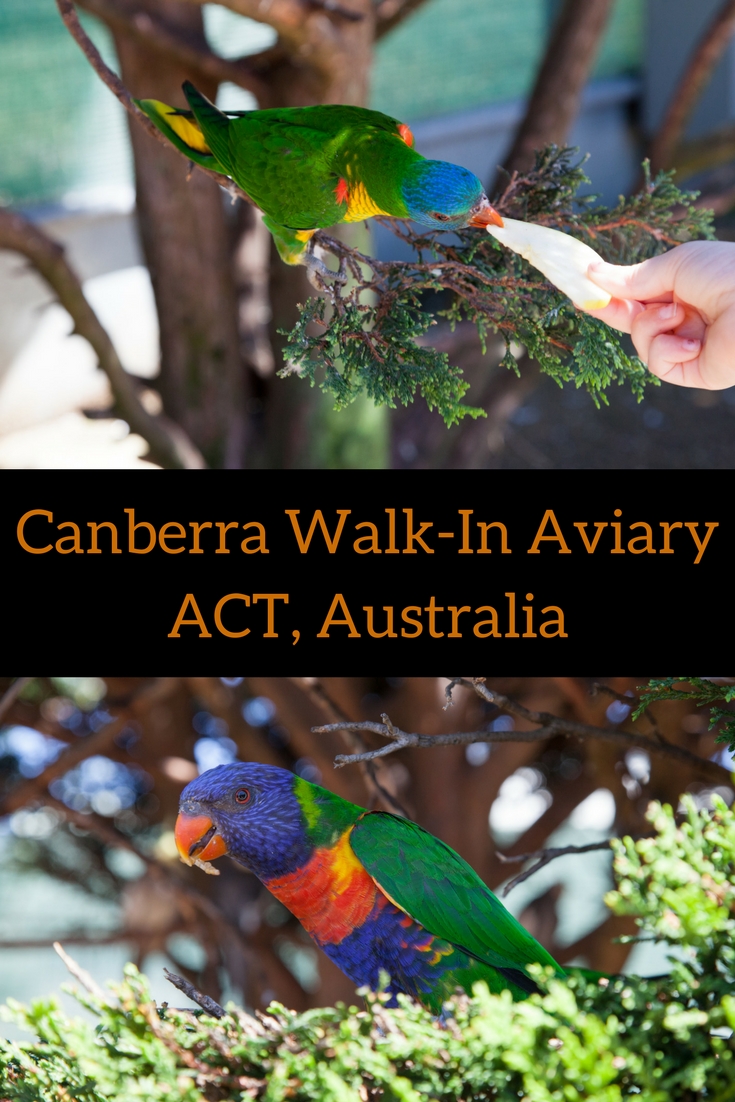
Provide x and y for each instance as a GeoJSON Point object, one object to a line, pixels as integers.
{"type": "Point", "coordinates": [440, 217]}
{"type": "Point", "coordinates": [242, 795]}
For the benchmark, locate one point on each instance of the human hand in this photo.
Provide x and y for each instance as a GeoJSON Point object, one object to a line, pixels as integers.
{"type": "Point", "coordinates": [679, 309]}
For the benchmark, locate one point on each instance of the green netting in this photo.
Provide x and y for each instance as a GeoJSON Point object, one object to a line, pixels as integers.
{"type": "Point", "coordinates": [457, 54]}
{"type": "Point", "coordinates": [62, 132]}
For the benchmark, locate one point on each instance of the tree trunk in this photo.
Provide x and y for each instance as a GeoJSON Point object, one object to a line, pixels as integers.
{"type": "Point", "coordinates": [287, 407]}
{"type": "Point", "coordinates": [556, 96]}
{"type": "Point", "coordinates": [186, 242]}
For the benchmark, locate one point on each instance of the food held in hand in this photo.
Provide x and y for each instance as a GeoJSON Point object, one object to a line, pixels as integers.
{"type": "Point", "coordinates": [562, 258]}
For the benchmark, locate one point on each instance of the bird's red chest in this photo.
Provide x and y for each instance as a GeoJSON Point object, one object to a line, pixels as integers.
{"type": "Point", "coordinates": [331, 895]}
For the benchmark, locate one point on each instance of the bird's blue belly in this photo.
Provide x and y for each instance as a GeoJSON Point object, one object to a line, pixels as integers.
{"type": "Point", "coordinates": [392, 943]}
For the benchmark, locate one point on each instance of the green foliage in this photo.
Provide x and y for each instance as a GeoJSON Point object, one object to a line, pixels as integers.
{"type": "Point", "coordinates": [703, 692]}
{"type": "Point", "coordinates": [658, 1040]}
{"type": "Point", "coordinates": [369, 336]}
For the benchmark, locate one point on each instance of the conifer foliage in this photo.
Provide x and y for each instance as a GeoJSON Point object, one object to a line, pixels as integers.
{"type": "Point", "coordinates": [368, 333]}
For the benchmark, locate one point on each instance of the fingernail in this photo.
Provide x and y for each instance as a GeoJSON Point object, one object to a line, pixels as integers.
{"type": "Point", "coordinates": [667, 312]}
{"type": "Point", "coordinates": [690, 345]}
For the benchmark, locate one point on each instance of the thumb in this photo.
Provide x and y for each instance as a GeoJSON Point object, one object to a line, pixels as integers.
{"type": "Point", "coordinates": [650, 280]}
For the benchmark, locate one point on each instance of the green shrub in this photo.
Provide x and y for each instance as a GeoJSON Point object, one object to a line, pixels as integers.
{"type": "Point", "coordinates": [657, 1039]}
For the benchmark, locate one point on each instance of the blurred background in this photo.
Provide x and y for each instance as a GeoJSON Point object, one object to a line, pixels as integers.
{"type": "Point", "coordinates": [91, 770]}
{"type": "Point", "coordinates": [460, 72]}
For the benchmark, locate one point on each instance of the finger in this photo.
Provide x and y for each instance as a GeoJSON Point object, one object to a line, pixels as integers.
{"type": "Point", "coordinates": [676, 360]}
{"type": "Point", "coordinates": [652, 321]}
{"type": "Point", "coordinates": [651, 279]}
{"type": "Point", "coordinates": [618, 314]}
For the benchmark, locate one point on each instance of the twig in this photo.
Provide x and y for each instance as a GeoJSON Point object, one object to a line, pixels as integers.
{"type": "Point", "coordinates": [11, 694]}
{"type": "Point", "coordinates": [316, 690]}
{"type": "Point", "coordinates": [555, 725]}
{"type": "Point", "coordinates": [116, 86]}
{"type": "Point", "coordinates": [80, 973]}
{"type": "Point", "coordinates": [550, 727]}
{"type": "Point", "coordinates": [209, 1005]}
{"type": "Point", "coordinates": [630, 702]}
{"type": "Point", "coordinates": [244, 72]}
{"type": "Point", "coordinates": [545, 856]}
{"type": "Point", "coordinates": [168, 443]}
{"type": "Point", "coordinates": [701, 64]}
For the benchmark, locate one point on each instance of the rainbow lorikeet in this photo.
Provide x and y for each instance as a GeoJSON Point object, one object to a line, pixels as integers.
{"type": "Point", "coordinates": [374, 891]}
{"type": "Point", "coordinates": [312, 167]}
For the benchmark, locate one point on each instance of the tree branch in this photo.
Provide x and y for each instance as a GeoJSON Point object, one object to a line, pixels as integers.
{"type": "Point", "coordinates": [10, 695]}
{"type": "Point", "coordinates": [209, 1006]}
{"type": "Point", "coordinates": [80, 973]}
{"type": "Point", "coordinates": [548, 726]}
{"type": "Point", "coordinates": [316, 690]}
{"type": "Point", "coordinates": [168, 443]}
{"type": "Point", "coordinates": [557, 93]}
{"type": "Point", "coordinates": [244, 72]}
{"type": "Point", "coordinates": [116, 86]}
{"type": "Point", "coordinates": [705, 57]}
{"type": "Point", "coordinates": [544, 857]}
{"type": "Point", "coordinates": [390, 13]}
{"type": "Point", "coordinates": [558, 726]}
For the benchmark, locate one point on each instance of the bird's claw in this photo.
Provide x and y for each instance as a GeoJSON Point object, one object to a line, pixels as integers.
{"type": "Point", "coordinates": [319, 275]}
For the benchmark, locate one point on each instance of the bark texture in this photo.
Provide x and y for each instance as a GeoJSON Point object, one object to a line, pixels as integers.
{"type": "Point", "coordinates": [186, 242]}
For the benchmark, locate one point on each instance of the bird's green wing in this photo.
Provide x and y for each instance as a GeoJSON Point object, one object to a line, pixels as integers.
{"type": "Point", "coordinates": [431, 883]}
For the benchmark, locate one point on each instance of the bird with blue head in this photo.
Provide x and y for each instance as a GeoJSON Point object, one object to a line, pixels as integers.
{"type": "Point", "coordinates": [308, 168]}
{"type": "Point", "coordinates": [377, 893]}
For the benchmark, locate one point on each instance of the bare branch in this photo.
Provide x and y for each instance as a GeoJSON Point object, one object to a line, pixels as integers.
{"type": "Point", "coordinates": [404, 739]}
{"type": "Point", "coordinates": [705, 57]}
{"type": "Point", "coordinates": [630, 702]}
{"type": "Point", "coordinates": [308, 38]}
{"type": "Point", "coordinates": [116, 86]}
{"type": "Point", "coordinates": [555, 725]}
{"type": "Point", "coordinates": [378, 790]}
{"type": "Point", "coordinates": [390, 13]}
{"type": "Point", "coordinates": [550, 726]}
{"type": "Point", "coordinates": [544, 857]}
{"type": "Point", "coordinates": [245, 72]}
{"type": "Point", "coordinates": [10, 695]}
{"type": "Point", "coordinates": [208, 1005]}
{"type": "Point", "coordinates": [80, 973]}
{"type": "Point", "coordinates": [168, 443]}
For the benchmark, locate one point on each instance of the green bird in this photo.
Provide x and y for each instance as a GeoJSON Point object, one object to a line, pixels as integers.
{"type": "Point", "coordinates": [377, 893]}
{"type": "Point", "coordinates": [312, 167]}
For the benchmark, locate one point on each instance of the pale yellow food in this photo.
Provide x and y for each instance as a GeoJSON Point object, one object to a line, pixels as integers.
{"type": "Point", "coordinates": [204, 865]}
{"type": "Point", "coordinates": [563, 259]}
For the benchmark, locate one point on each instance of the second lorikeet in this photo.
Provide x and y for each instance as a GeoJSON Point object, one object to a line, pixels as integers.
{"type": "Point", "coordinates": [312, 167]}
{"type": "Point", "coordinates": [374, 891]}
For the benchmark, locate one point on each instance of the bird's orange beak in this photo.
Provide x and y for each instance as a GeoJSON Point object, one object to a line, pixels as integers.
{"type": "Point", "coordinates": [197, 839]}
{"type": "Point", "coordinates": [486, 216]}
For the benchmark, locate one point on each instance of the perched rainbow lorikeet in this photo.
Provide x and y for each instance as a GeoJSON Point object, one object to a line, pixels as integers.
{"type": "Point", "coordinates": [312, 167]}
{"type": "Point", "coordinates": [374, 891]}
